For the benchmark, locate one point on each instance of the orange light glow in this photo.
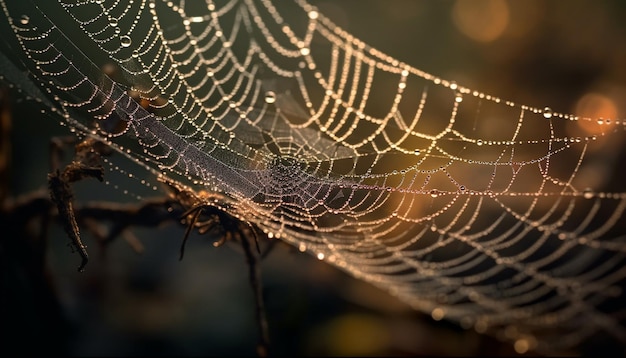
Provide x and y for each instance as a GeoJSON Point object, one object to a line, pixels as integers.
{"type": "Point", "coordinates": [481, 20]}
{"type": "Point", "coordinates": [596, 112]}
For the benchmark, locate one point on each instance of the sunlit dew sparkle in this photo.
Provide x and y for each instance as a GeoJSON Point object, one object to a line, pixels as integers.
{"type": "Point", "coordinates": [386, 189]}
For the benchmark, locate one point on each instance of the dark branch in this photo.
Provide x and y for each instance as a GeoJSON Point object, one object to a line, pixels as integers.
{"type": "Point", "coordinates": [254, 273]}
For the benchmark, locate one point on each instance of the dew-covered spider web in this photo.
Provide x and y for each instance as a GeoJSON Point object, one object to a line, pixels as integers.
{"type": "Point", "coordinates": [469, 207]}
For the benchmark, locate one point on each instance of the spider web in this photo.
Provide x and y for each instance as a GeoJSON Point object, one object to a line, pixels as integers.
{"type": "Point", "coordinates": [467, 206]}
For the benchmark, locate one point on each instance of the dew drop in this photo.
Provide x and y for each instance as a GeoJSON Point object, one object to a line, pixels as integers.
{"type": "Point", "coordinates": [135, 54]}
{"type": "Point", "coordinates": [417, 152]}
{"type": "Point", "coordinates": [458, 98]}
{"type": "Point", "coordinates": [125, 41]}
{"type": "Point", "coordinates": [305, 51]}
{"type": "Point", "coordinates": [270, 97]}
{"type": "Point", "coordinates": [113, 21]}
{"type": "Point", "coordinates": [547, 113]}
{"type": "Point", "coordinates": [434, 193]}
{"type": "Point", "coordinates": [588, 194]}
{"type": "Point", "coordinates": [24, 20]}
{"type": "Point", "coordinates": [479, 142]}
{"type": "Point", "coordinates": [313, 15]}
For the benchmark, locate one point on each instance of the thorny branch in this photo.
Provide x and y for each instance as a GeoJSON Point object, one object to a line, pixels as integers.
{"type": "Point", "coordinates": [254, 273]}
{"type": "Point", "coordinates": [16, 213]}
{"type": "Point", "coordinates": [148, 213]}
{"type": "Point", "coordinates": [231, 229]}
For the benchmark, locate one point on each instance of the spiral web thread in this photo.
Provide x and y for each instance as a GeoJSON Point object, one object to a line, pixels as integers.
{"type": "Point", "coordinates": [468, 207]}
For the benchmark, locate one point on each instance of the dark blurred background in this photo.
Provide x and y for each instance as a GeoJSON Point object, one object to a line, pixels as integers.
{"type": "Point", "coordinates": [568, 54]}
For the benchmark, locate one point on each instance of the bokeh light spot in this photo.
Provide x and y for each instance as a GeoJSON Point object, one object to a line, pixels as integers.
{"type": "Point", "coordinates": [593, 107]}
{"type": "Point", "coordinates": [481, 20]}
